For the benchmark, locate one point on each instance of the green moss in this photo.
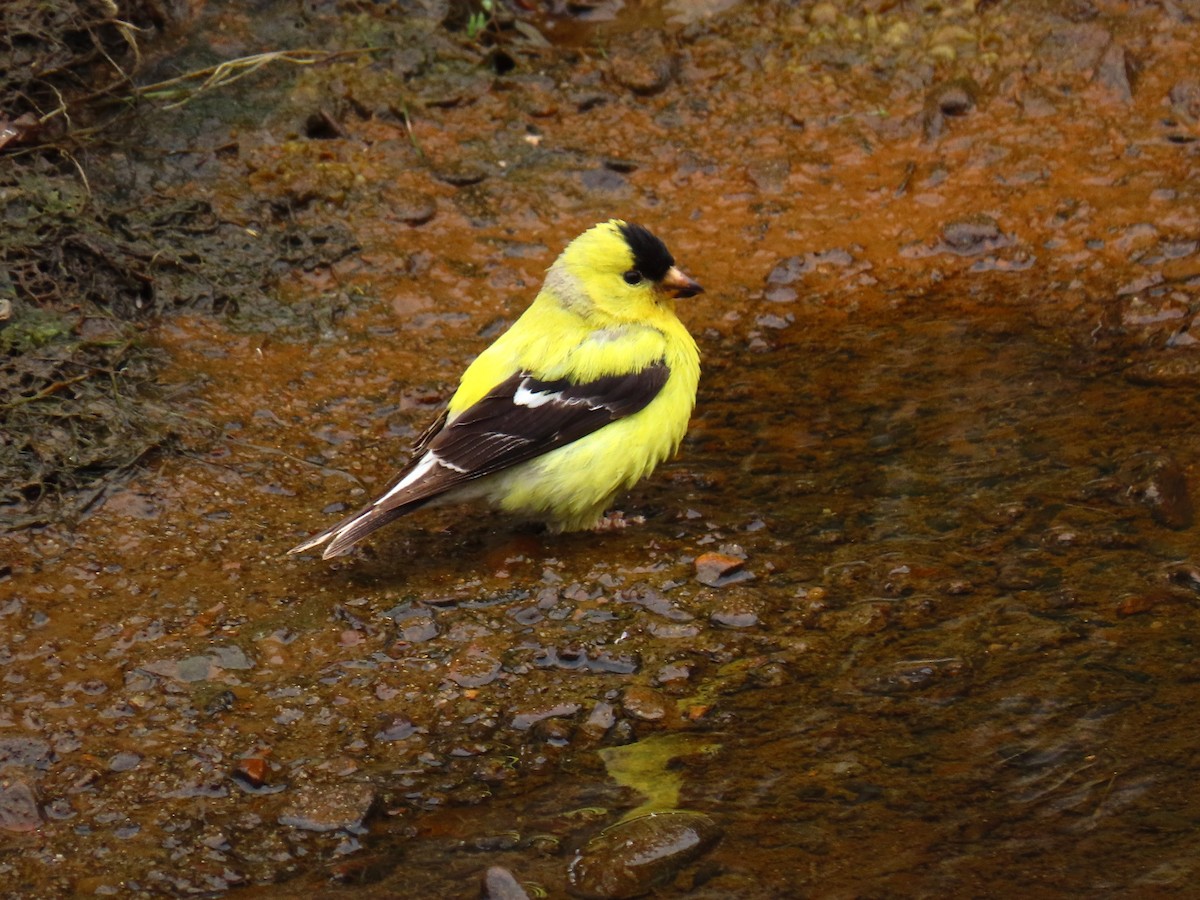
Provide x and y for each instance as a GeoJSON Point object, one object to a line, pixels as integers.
{"type": "Point", "coordinates": [31, 329]}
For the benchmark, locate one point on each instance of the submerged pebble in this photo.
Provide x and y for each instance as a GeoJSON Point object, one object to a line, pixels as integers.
{"type": "Point", "coordinates": [1159, 483]}
{"type": "Point", "coordinates": [734, 617]}
{"type": "Point", "coordinates": [329, 807]}
{"type": "Point", "coordinates": [632, 857]}
{"type": "Point", "coordinates": [645, 703]}
{"type": "Point", "coordinates": [523, 721]}
{"type": "Point", "coordinates": [1165, 370]}
{"type": "Point", "coordinates": [414, 209]}
{"type": "Point", "coordinates": [599, 721]}
{"type": "Point", "coordinates": [473, 670]}
{"type": "Point", "coordinates": [720, 569]}
{"type": "Point", "coordinates": [972, 235]}
{"type": "Point", "coordinates": [123, 761]}
{"type": "Point", "coordinates": [1115, 73]}
{"type": "Point", "coordinates": [499, 884]}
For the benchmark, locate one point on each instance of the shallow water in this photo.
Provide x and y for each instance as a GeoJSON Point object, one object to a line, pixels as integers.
{"type": "Point", "coordinates": [947, 423]}
{"type": "Point", "coordinates": [973, 641]}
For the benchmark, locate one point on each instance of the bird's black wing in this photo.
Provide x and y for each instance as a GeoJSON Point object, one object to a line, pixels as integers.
{"type": "Point", "coordinates": [521, 418]}
{"type": "Point", "coordinates": [525, 417]}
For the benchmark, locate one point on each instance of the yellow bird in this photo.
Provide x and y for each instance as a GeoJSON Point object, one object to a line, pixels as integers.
{"type": "Point", "coordinates": [587, 392]}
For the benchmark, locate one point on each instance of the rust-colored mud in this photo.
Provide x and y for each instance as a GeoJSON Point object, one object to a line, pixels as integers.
{"type": "Point", "coordinates": [947, 425]}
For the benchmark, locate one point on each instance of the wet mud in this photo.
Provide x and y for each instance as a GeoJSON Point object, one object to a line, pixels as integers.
{"type": "Point", "coordinates": [912, 610]}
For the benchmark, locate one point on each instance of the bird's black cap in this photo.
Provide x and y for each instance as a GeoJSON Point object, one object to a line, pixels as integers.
{"type": "Point", "coordinates": [650, 255]}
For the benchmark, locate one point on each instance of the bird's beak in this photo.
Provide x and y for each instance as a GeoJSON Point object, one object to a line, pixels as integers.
{"type": "Point", "coordinates": [679, 285]}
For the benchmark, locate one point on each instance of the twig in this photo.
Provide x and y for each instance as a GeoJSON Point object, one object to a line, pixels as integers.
{"type": "Point", "coordinates": [232, 70]}
{"type": "Point", "coordinates": [411, 134]}
{"type": "Point", "coordinates": [46, 391]}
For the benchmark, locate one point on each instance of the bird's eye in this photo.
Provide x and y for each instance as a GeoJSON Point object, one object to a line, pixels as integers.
{"type": "Point", "coordinates": [633, 276]}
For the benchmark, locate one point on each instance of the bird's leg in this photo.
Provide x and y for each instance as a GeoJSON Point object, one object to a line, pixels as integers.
{"type": "Point", "coordinates": [615, 520]}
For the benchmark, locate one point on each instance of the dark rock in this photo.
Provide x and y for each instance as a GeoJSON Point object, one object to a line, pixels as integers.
{"type": "Point", "coordinates": [18, 806]}
{"type": "Point", "coordinates": [1187, 575]}
{"type": "Point", "coordinates": [123, 761]}
{"type": "Point", "coordinates": [222, 701]}
{"type": "Point", "coordinates": [1158, 482]}
{"type": "Point", "coordinates": [231, 657]}
{"type": "Point", "coordinates": [588, 99]}
{"type": "Point", "coordinates": [582, 661]}
{"type": "Point", "coordinates": [642, 64]}
{"type": "Point", "coordinates": [955, 98]}
{"type": "Point", "coordinates": [617, 164]}
{"type": "Point", "coordinates": [414, 210]}
{"type": "Point", "coordinates": [23, 751]}
{"type": "Point", "coordinates": [462, 173]}
{"type": "Point", "coordinates": [419, 629]}
{"type": "Point", "coordinates": [603, 180]}
{"type": "Point", "coordinates": [192, 668]}
{"type": "Point", "coordinates": [632, 857]}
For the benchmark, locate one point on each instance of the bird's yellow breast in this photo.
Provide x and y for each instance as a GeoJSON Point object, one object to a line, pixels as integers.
{"type": "Point", "coordinates": [571, 487]}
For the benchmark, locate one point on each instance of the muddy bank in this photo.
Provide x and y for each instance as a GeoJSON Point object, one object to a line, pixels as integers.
{"type": "Point", "coordinates": [909, 612]}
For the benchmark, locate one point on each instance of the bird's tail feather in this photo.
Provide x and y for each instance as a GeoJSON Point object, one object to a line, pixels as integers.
{"type": "Point", "coordinates": [340, 538]}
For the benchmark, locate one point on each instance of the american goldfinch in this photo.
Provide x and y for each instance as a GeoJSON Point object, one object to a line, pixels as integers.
{"type": "Point", "coordinates": [587, 392]}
